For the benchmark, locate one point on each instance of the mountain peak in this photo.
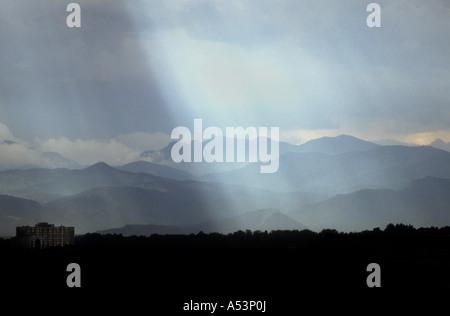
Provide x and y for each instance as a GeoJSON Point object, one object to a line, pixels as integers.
{"type": "Point", "coordinates": [342, 137]}
{"type": "Point", "coordinates": [99, 166]}
{"type": "Point", "coordinates": [440, 144]}
{"type": "Point", "coordinates": [345, 136]}
{"type": "Point", "coordinates": [337, 145]}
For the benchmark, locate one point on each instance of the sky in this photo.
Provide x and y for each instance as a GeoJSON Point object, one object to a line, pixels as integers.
{"type": "Point", "coordinates": [135, 70]}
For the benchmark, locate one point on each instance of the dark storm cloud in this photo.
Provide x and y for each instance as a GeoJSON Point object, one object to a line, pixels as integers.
{"type": "Point", "coordinates": [148, 66]}
{"type": "Point", "coordinates": [80, 82]}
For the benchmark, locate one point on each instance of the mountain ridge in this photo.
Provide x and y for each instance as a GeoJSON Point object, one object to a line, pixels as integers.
{"type": "Point", "coordinates": [337, 145]}
{"type": "Point", "coordinates": [263, 220]}
{"type": "Point", "coordinates": [15, 212]}
{"type": "Point", "coordinates": [423, 203]}
{"type": "Point", "coordinates": [384, 167]}
{"type": "Point", "coordinates": [156, 170]}
{"type": "Point", "coordinates": [101, 196]}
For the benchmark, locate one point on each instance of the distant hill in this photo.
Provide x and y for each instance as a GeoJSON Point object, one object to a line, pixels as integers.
{"type": "Point", "coordinates": [148, 230]}
{"type": "Point", "coordinates": [439, 143]}
{"type": "Point", "coordinates": [35, 184]}
{"type": "Point", "coordinates": [156, 170]}
{"type": "Point", "coordinates": [177, 203]}
{"type": "Point", "coordinates": [426, 202]}
{"type": "Point", "coordinates": [159, 156]}
{"type": "Point", "coordinates": [264, 219]}
{"type": "Point", "coordinates": [59, 161]}
{"type": "Point", "coordinates": [163, 157]}
{"type": "Point", "coordinates": [391, 167]}
{"type": "Point", "coordinates": [44, 185]}
{"type": "Point", "coordinates": [100, 197]}
{"type": "Point", "coordinates": [341, 182]}
{"type": "Point", "coordinates": [336, 145]}
{"type": "Point", "coordinates": [18, 212]}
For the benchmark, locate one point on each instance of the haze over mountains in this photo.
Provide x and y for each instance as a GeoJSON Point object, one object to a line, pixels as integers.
{"type": "Point", "coordinates": [101, 197]}
{"type": "Point", "coordinates": [333, 182]}
{"type": "Point", "coordinates": [424, 203]}
{"type": "Point", "coordinates": [262, 220]}
{"type": "Point", "coordinates": [383, 167]}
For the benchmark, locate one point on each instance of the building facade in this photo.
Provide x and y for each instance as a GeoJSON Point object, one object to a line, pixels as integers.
{"type": "Point", "coordinates": [44, 235]}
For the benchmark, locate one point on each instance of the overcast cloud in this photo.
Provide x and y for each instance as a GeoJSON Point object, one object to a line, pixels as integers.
{"type": "Point", "coordinates": [137, 69]}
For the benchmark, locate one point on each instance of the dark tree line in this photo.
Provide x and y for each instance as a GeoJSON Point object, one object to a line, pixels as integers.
{"type": "Point", "coordinates": [261, 239]}
{"type": "Point", "coordinates": [253, 239]}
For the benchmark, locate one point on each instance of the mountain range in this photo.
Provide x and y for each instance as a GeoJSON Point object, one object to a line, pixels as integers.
{"type": "Point", "coordinates": [424, 203]}
{"type": "Point", "coordinates": [390, 167]}
{"type": "Point", "coordinates": [262, 220]}
{"type": "Point", "coordinates": [333, 182]}
{"type": "Point", "coordinates": [101, 197]}
{"type": "Point", "coordinates": [17, 212]}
